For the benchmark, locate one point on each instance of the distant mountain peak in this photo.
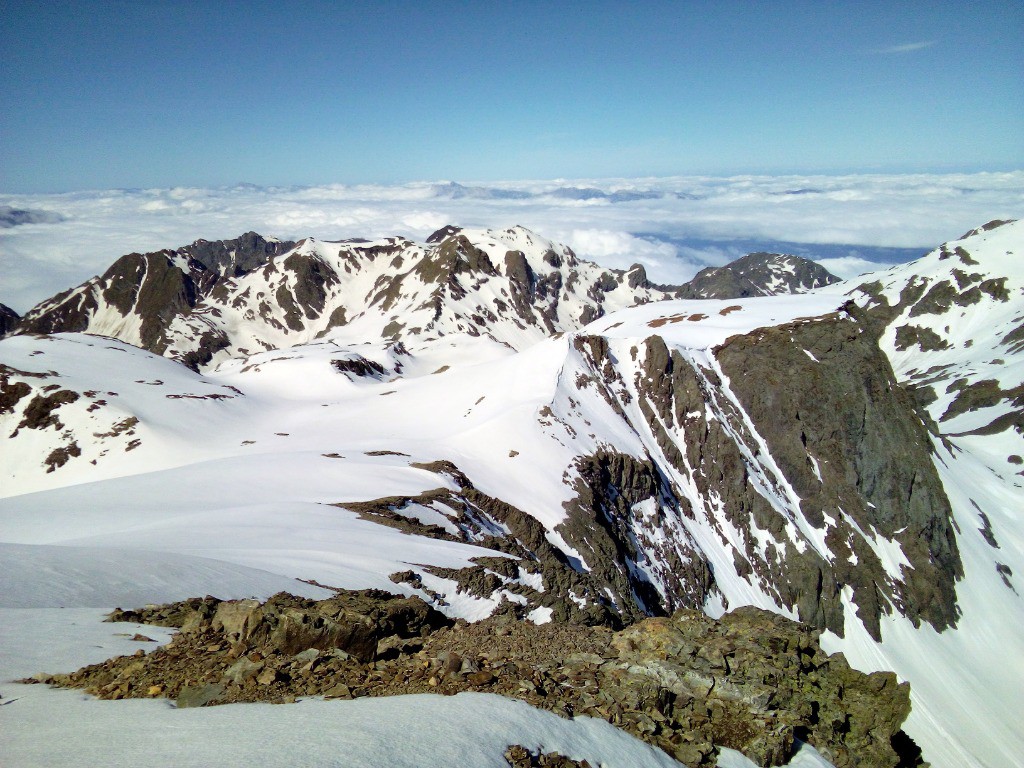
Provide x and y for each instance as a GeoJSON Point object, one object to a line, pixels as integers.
{"type": "Point", "coordinates": [13, 217]}
{"type": "Point", "coordinates": [444, 232]}
{"type": "Point", "coordinates": [139, 294]}
{"type": "Point", "coordinates": [759, 274]}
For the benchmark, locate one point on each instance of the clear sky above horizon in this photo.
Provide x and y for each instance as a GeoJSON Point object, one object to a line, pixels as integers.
{"type": "Point", "coordinates": [159, 94]}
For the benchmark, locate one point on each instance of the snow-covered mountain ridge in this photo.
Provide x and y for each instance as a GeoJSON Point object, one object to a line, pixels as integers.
{"type": "Point", "coordinates": [140, 294]}
{"type": "Point", "coordinates": [208, 302]}
{"type": "Point", "coordinates": [821, 455]}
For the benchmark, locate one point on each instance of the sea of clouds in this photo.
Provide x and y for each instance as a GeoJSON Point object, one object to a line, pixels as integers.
{"type": "Point", "coordinates": [673, 226]}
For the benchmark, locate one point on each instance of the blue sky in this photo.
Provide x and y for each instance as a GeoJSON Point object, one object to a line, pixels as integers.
{"type": "Point", "coordinates": [158, 94]}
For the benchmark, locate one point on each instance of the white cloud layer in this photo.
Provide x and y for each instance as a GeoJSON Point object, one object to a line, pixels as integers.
{"type": "Point", "coordinates": [673, 226]}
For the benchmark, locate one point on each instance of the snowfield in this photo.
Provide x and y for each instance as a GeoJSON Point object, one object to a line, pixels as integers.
{"type": "Point", "coordinates": [233, 481]}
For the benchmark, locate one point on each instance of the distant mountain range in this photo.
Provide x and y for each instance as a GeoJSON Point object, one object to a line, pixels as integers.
{"type": "Point", "coordinates": [208, 301]}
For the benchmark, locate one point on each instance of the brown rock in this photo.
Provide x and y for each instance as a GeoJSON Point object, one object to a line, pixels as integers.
{"type": "Point", "coordinates": [339, 691]}
{"type": "Point", "coordinates": [481, 678]}
{"type": "Point", "coordinates": [267, 676]}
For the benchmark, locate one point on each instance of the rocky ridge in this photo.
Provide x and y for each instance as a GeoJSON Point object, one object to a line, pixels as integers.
{"type": "Point", "coordinates": [798, 480]}
{"type": "Point", "coordinates": [140, 294]}
{"type": "Point", "coordinates": [752, 681]}
{"type": "Point", "coordinates": [510, 286]}
{"type": "Point", "coordinates": [210, 300]}
{"type": "Point", "coordinates": [758, 274]}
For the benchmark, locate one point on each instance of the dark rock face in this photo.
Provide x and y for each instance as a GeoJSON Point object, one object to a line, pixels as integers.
{"type": "Point", "coordinates": [717, 454]}
{"type": "Point", "coordinates": [8, 320]}
{"type": "Point", "coordinates": [810, 420]}
{"type": "Point", "coordinates": [851, 443]}
{"type": "Point", "coordinates": [154, 287]}
{"type": "Point", "coordinates": [617, 541]}
{"type": "Point", "coordinates": [150, 286]}
{"type": "Point", "coordinates": [757, 274]}
{"type": "Point", "coordinates": [307, 296]}
{"type": "Point", "coordinates": [687, 684]}
{"type": "Point", "coordinates": [235, 257]}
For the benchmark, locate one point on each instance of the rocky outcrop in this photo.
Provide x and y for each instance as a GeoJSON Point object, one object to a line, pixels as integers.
{"type": "Point", "coordinates": [139, 295]}
{"type": "Point", "coordinates": [852, 445]}
{"type": "Point", "coordinates": [569, 592]}
{"type": "Point", "coordinates": [752, 681]}
{"type": "Point", "coordinates": [12, 392]}
{"type": "Point", "coordinates": [518, 756]}
{"type": "Point", "coordinates": [8, 320]}
{"type": "Point", "coordinates": [237, 256]}
{"type": "Point", "coordinates": [757, 274]}
{"type": "Point", "coordinates": [761, 681]}
{"type": "Point", "coordinates": [616, 521]}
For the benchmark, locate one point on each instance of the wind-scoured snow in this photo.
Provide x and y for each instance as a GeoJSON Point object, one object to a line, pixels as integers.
{"type": "Point", "coordinates": [49, 576]}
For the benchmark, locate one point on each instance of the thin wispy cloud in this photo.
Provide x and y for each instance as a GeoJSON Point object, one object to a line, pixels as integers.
{"type": "Point", "coordinates": [907, 47]}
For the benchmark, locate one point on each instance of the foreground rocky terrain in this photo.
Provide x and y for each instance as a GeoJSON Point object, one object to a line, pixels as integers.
{"type": "Point", "coordinates": [751, 681]}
